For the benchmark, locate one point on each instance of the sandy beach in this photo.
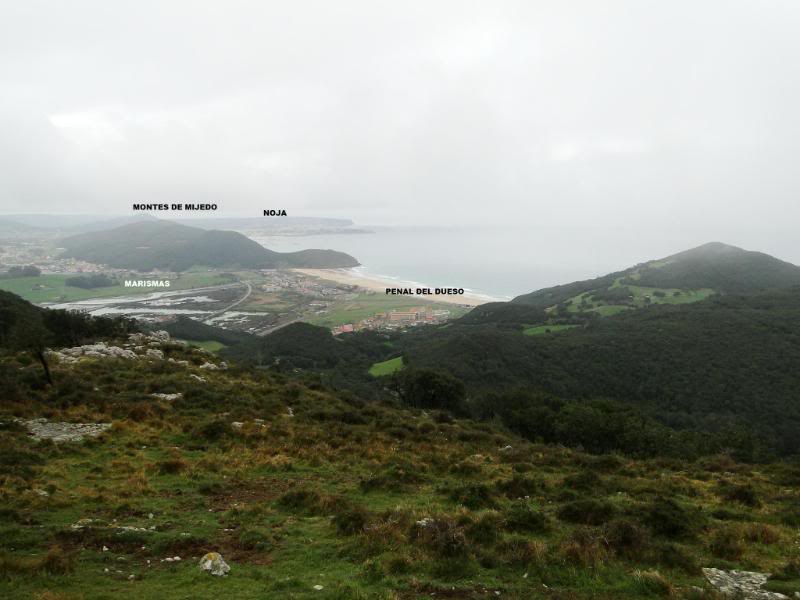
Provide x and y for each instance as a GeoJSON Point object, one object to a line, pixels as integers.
{"type": "Point", "coordinates": [379, 285]}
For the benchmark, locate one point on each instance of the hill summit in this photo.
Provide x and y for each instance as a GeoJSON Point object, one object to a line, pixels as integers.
{"type": "Point", "coordinates": [683, 277]}
{"type": "Point", "coordinates": [165, 245]}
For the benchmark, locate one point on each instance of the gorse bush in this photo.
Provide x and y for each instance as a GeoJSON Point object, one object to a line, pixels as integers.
{"type": "Point", "coordinates": [667, 517]}
{"type": "Point", "coordinates": [442, 536]}
{"type": "Point", "coordinates": [350, 520]}
{"type": "Point", "coordinates": [587, 512]}
{"type": "Point", "coordinates": [473, 496]}
{"type": "Point", "coordinates": [521, 516]}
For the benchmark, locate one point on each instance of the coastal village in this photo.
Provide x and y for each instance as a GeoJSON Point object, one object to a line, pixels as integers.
{"type": "Point", "coordinates": [394, 320]}
{"type": "Point", "coordinates": [326, 294]}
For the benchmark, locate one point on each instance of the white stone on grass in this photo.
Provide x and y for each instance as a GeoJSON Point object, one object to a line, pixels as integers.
{"type": "Point", "coordinates": [214, 564]}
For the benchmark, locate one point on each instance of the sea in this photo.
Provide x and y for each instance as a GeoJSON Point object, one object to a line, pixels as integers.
{"type": "Point", "coordinates": [503, 262]}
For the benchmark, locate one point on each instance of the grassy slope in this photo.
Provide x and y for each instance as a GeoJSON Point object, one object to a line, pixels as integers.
{"type": "Point", "coordinates": [542, 329]}
{"type": "Point", "coordinates": [57, 291]}
{"type": "Point", "coordinates": [387, 367]}
{"type": "Point", "coordinates": [210, 345]}
{"type": "Point", "coordinates": [640, 298]}
{"type": "Point", "coordinates": [332, 496]}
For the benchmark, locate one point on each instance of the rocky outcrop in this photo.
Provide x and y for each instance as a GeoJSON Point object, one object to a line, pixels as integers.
{"type": "Point", "coordinates": [168, 397]}
{"type": "Point", "coordinates": [42, 429]}
{"type": "Point", "coordinates": [137, 342]}
{"type": "Point", "coordinates": [98, 350]}
{"type": "Point", "coordinates": [214, 564]}
{"type": "Point", "coordinates": [743, 585]}
{"type": "Point", "coordinates": [142, 339]}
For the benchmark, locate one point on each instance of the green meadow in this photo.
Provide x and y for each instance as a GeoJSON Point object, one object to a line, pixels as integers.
{"type": "Point", "coordinates": [542, 329]}
{"type": "Point", "coordinates": [386, 367]}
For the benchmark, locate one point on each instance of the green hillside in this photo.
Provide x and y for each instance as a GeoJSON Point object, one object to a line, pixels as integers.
{"type": "Point", "coordinates": [310, 491]}
{"type": "Point", "coordinates": [169, 246]}
{"type": "Point", "coordinates": [685, 277]}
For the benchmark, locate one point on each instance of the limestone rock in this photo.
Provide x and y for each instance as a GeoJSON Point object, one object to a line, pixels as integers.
{"type": "Point", "coordinates": [98, 350]}
{"type": "Point", "coordinates": [168, 397]}
{"type": "Point", "coordinates": [207, 366]}
{"type": "Point", "coordinates": [745, 585]}
{"type": "Point", "coordinates": [214, 564]}
{"type": "Point", "coordinates": [197, 377]}
{"type": "Point", "coordinates": [42, 429]}
{"type": "Point", "coordinates": [154, 353]}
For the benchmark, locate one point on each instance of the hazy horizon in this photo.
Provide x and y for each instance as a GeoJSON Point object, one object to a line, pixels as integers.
{"type": "Point", "coordinates": [593, 114]}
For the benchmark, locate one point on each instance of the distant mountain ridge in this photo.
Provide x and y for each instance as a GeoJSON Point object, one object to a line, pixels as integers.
{"type": "Point", "coordinates": [164, 245]}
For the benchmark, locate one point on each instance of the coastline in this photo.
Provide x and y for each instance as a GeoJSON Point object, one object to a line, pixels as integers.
{"type": "Point", "coordinates": [379, 284]}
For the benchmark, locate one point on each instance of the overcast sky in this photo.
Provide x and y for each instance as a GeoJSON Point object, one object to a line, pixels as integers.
{"type": "Point", "coordinates": [636, 113]}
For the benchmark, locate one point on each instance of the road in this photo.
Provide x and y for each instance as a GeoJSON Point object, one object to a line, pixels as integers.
{"type": "Point", "coordinates": [222, 311]}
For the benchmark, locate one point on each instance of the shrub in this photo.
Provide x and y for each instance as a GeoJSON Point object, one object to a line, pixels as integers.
{"type": "Point", "coordinates": [521, 516]}
{"type": "Point", "coordinates": [653, 583]}
{"type": "Point", "coordinates": [302, 500]}
{"type": "Point", "coordinates": [171, 466]}
{"type": "Point", "coordinates": [486, 530]}
{"type": "Point", "coordinates": [723, 514]}
{"type": "Point", "coordinates": [761, 533]}
{"type": "Point", "coordinates": [213, 431]}
{"type": "Point", "coordinates": [668, 518]}
{"type": "Point", "coordinates": [350, 520]}
{"type": "Point", "coordinates": [394, 477]}
{"type": "Point", "coordinates": [674, 556]}
{"type": "Point", "coordinates": [727, 543]}
{"type": "Point", "coordinates": [585, 480]}
{"type": "Point", "coordinates": [521, 551]}
{"type": "Point", "coordinates": [518, 486]}
{"type": "Point", "coordinates": [789, 571]}
{"type": "Point", "coordinates": [587, 512]}
{"type": "Point", "coordinates": [583, 547]}
{"type": "Point", "coordinates": [442, 536]}
{"type": "Point", "coordinates": [56, 562]}
{"type": "Point", "coordinates": [255, 539]}
{"type": "Point", "coordinates": [474, 496]}
{"type": "Point", "coordinates": [744, 494]}
{"type": "Point", "coordinates": [626, 536]}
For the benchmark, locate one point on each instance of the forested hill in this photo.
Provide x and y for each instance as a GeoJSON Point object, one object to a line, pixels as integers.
{"type": "Point", "coordinates": [684, 277]}
{"type": "Point", "coordinates": [164, 245]}
{"type": "Point", "coordinates": [730, 356]}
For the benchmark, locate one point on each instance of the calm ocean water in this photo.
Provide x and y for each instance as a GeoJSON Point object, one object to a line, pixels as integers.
{"type": "Point", "coordinates": [505, 262]}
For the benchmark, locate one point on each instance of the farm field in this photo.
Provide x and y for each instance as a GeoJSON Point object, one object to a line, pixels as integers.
{"type": "Point", "coordinates": [386, 367]}
{"type": "Point", "coordinates": [542, 329]}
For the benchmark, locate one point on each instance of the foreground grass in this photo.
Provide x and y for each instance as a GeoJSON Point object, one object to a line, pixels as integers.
{"type": "Point", "coordinates": [367, 500]}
